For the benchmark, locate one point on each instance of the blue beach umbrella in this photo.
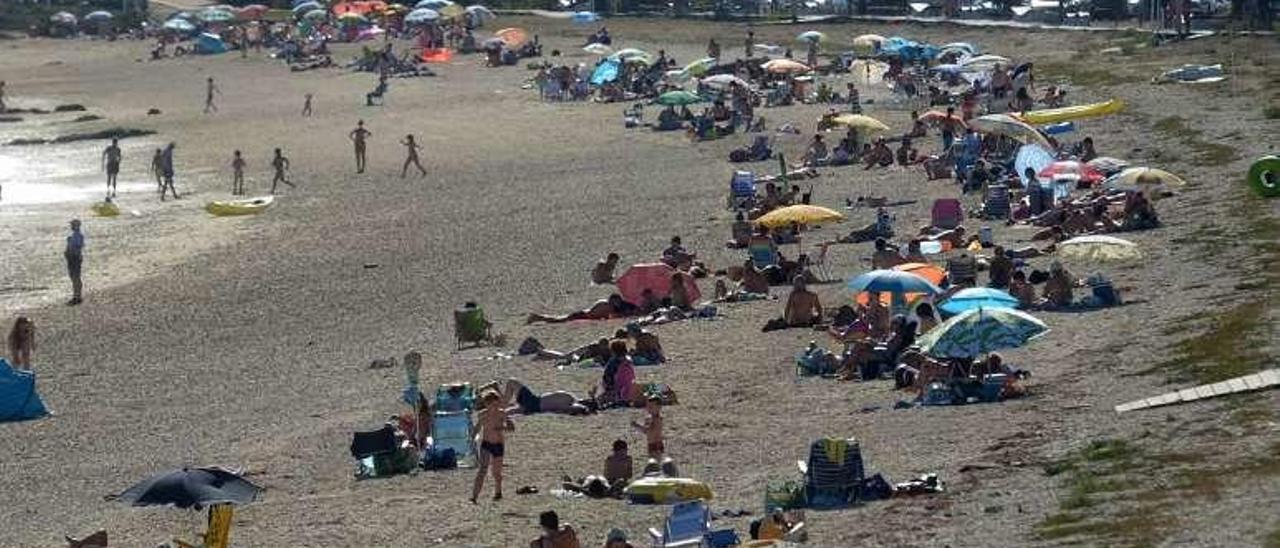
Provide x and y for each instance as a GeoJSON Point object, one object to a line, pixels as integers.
{"type": "Point", "coordinates": [977, 297]}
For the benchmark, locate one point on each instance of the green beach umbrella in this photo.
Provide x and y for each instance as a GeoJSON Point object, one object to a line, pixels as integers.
{"type": "Point", "coordinates": [981, 330]}
{"type": "Point", "coordinates": [700, 67]}
{"type": "Point", "coordinates": [678, 98]}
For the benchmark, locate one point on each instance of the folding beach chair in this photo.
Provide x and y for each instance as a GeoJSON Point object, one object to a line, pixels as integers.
{"type": "Point", "coordinates": [470, 326]}
{"type": "Point", "coordinates": [762, 254]}
{"type": "Point", "coordinates": [742, 190]}
{"type": "Point", "coordinates": [947, 213]}
{"type": "Point", "coordinates": [996, 205]}
{"type": "Point", "coordinates": [454, 430]}
{"type": "Point", "coordinates": [833, 474]}
{"type": "Point", "coordinates": [687, 526]}
{"type": "Point", "coordinates": [218, 534]}
{"type": "Point", "coordinates": [455, 397]}
{"type": "Point", "coordinates": [818, 264]}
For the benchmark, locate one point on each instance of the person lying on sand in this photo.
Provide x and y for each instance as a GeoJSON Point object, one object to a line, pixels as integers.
{"type": "Point", "coordinates": [612, 307]}
{"type": "Point", "coordinates": [881, 228]}
{"type": "Point", "coordinates": [885, 256]}
{"type": "Point", "coordinates": [516, 396]}
{"type": "Point", "coordinates": [618, 471]}
{"type": "Point", "coordinates": [602, 273]}
{"type": "Point", "coordinates": [598, 351]}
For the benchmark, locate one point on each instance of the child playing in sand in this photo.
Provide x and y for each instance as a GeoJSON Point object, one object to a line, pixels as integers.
{"type": "Point", "coordinates": [281, 165]}
{"type": "Point", "coordinates": [412, 149]}
{"type": "Point", "coordinates": [652, 427]}
{"type": "Point", "coordinates": [492, 423]}
{"type": "Point", "coordinates": [237, 174]}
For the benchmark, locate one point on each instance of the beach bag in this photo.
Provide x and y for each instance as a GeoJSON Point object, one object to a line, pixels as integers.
{"type": "Point", "coordinates": [876, 488]}
{"type": "Point", "coordinates": [440, 458]}
{"type": "Point", "coordinates": [738, 155]}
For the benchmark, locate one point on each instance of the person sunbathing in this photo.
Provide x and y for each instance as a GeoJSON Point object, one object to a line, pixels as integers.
{"type": "Point", "coordinates": [646, 348]}
{"type": "Point", "coordinates": [612, 307]}
{"type": "Point", "coordinates": [803, 307]}
{"type": "Point", "coordinates": [906, 154]}
{"type": "Point", "coordinates": [677, 256]}
{"type": "Point", "coordinates": [1058, 288]}
{"type": "Point", "coordinates": [886, 255]}
{"type": "Point", "coordinates": [955, 237]}
{"type": "Point", "coordinates": [516, 396]}
{"type": "Point", "coordinates": [879, 155]}
{"type": "Point", "coordinates": [753, 280]}
{"type": "Point", "coordinates": [602, 273]}
{"type": "Point", "coordinates": [598, 351]}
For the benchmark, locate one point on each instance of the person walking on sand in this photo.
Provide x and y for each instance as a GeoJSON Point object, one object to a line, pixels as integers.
{"type": "Point", "coordinates": [306, 106]}
{"type": "Point", "coordinates": [3, 108]}
{"type": "Point", "coordinates": [210, 90]}
{"type": "Point", "coordinates": [166, 171]}
{"type": "Point", "coordinates": [411, 148]}
{"type": "Point", "coordinates": [281, 165]}
{"type": "Point", "coordinates": [157, 168]}
{"type": "Point", "coordinates": [237, 174]}
{"type": "Point", "coordinates": [493, 424]}
{"type": "Point", "coordinates": [22, 342]}
{"type": "Point", "coordinates": [111, 164]}
{"type": "Point", "coordinates": [74, 254]}
{"type": "Point", "coordinates": [652, 427]}
{"type": "Point", "coordinates": [358, 137]}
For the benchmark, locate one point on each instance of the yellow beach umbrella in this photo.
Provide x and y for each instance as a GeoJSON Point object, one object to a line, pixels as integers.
{"type": "Point", "coordinates": [860, 121]}
{"type": "Point", "coordinates": [803, 214]}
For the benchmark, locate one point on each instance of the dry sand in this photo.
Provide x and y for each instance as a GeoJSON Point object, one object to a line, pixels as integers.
{"type": "Point", "coordinates": [246, 341]}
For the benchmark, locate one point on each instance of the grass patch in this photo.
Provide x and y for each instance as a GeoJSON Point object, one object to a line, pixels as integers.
{"type": "Point", "coordinates": [1271, 112]}
{"type": "Point", "coordinates": [1273, 539]}
{"type": "Point", "coordinates": [1083, 74]}
{"type": "Point", "coordinates": [1220, 353]}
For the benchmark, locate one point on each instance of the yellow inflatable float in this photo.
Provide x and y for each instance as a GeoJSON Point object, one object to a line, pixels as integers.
{"type": "Point", "coordinates": [250, 206]}
{"type": "Point", "coordinates": [1066, 114]}
{"type": "Point", "coordinates": [662, 490]}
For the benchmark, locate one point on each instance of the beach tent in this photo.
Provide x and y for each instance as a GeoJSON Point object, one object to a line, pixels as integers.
{"type": "Point", "coordinates": [209, 44]}
{"type": "Point", "coordinates": [606, 71]}
{"type": "Point", "coordinates": [19, 400]}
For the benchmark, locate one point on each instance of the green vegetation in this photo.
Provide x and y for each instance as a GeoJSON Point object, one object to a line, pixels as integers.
{"type": "Point", "coordinates": [1206, 153]}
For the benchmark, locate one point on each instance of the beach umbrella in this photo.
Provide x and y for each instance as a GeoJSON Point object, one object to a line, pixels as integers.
{"type": "Point", "coordinates": [811, 36]}
{"type": "Point", "coordinates": [965, 49]}
{"type": "Point", "coordinates": [307, 6]}
{"type": "Point", "coordinates": [678, 98]}
{"type": "Point", "coordinates": [977, 297]}
{"type": "Point", "coordinates": [861, 122]}
{"type": "Point", "coordinates": [251, 12]}
{"type": "Point", "coordinates": [63, 18]}
{"type": "Point", "coordinates": [512, 36]}
{"type": "Point", "coordinates": [892, 281]}
{"type": "Point", "coordinates": [181, 15]}
{"type": "Point", "coordinates": [1108, 165]}
{"type": "Point", "coordinates": [352, 18]}
{"type": "Point", "coordinates": [598, 49]}
{"type": "Point", "coordinates": [421, 15]}
{"type": "Point", "coordinates": [700, 67]}
{"type": "Point", "coordinates": [931, 272]}
{"type": "Point", "coordinates": [316, 15]}
{"type": "Point", "coordinates": [1099, 249]}
{"type": "Point", "coordinates": [342, 8]}
{"type": "Point", "coordinates": [1031, 156]}
{"type": "Point", "coordinates": [1008, 126]}
{"type": "Point", "coordinates": [724, 81]}
{"type": "Point", "coordinates": [179, 25]}
{"type": "Point", "coordinates": [985, 62]}
{"type": "Point", "coordinates": [802, 213]}
{"type": "Point", "coordinates": [481, 13]}
{"type": "Point", "coordinates": [949, 68]}
{"type": "Point", "coordinates": [395, 9]}
{"type": "Point", "coordinates": [215, 15]}
{"type": "Point", "coordinates": [656, 277]}
{"type": "Point", "coordinates": [191, 487]}
{"type": "Point", "coordinates": [494, 43]}
{"type": "Point", "coordinates": [628, 53]}
{"type": "Point", "coordinates": [937, 117]}
{"type": "Point", "coordinates": [99, 16]}
{"type": "Point", "coordinates": [979, 331]}
{"type": "Point", "coordinates": [434, 4]}
{"type": "Point", "coordinates": [1151, 181]}
{"type": "Point", "coordinates": [769, 49]}
{"type": "Point", "coordinates": [868, 43]}
{"type": "Point", "coordinates": [1084, 172]}
{"type": "Point", "coordinates": [785, 66]}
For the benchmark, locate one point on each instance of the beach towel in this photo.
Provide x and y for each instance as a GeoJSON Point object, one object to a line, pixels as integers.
{"type": "Point", "coordinates": [437, 55]}
{"type": "Point", "coordinates": [606, 71]}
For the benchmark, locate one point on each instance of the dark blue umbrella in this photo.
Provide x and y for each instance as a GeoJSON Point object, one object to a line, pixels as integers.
{"type": "Point", "coordinates": [190, 487]}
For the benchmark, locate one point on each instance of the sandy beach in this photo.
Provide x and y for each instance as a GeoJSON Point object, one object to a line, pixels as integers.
{"type": "Point", "coordinates": [246, 342]}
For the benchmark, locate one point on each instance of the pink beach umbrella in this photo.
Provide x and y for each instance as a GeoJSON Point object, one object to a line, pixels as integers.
{"type": "Point", "coordinates": [655, 277]}
{"type": "Point", "coordinates": [1087, 173]}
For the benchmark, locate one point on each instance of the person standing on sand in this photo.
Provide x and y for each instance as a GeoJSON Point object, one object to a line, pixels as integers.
{"type": "Point", "coordinates": [3, 108]}
{"type": "Point", "coordinates": [493, 424]}
{"type": "Point", "coordinates": [281, 165]}
{"type": "Point", "coordinates": [358, 137]}
{"type": "Point", "coordinates": [411, 148]}
{"type": "Point", "coordinates": [22, 342]}
{"type": "Point", "coordinates": [237, 174]}
{"type": "Point", "coordinates": [166, 171]}
{"type": "Point", "coordinates": [111, 164]}
{"type": "Point", "coordinates": [750, 43]}
{"type": "Point", "coordinates": [210, 90]}
{"type": "Point", "coordinates": [74, 254]}
{"type": "Point", "coordinates": [652, 428]}
{"type": "Point", "coordinates": [306, 106]}
{"type": "Point", "coordinates": [157, 168]}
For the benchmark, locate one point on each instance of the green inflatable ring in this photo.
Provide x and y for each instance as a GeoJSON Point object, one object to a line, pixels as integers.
{"type": "Point", "coordinates": [1268, 167]}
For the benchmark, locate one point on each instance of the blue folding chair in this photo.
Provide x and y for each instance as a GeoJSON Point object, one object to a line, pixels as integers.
{"type": "Point", "coordinates": [688, 525]}
{"type": "Point", "coordinates": [833, 474]}
{"type": "Point", "coordinates": [453, 430]}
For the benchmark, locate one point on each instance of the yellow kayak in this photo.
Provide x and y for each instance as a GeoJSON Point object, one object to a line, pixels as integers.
{"type": "Point", "coordinates": [1066, 114]}
{"type": "Point", "coordinates": [105, 209]}
{"type": "Point", "coordinates": [248, 206]}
